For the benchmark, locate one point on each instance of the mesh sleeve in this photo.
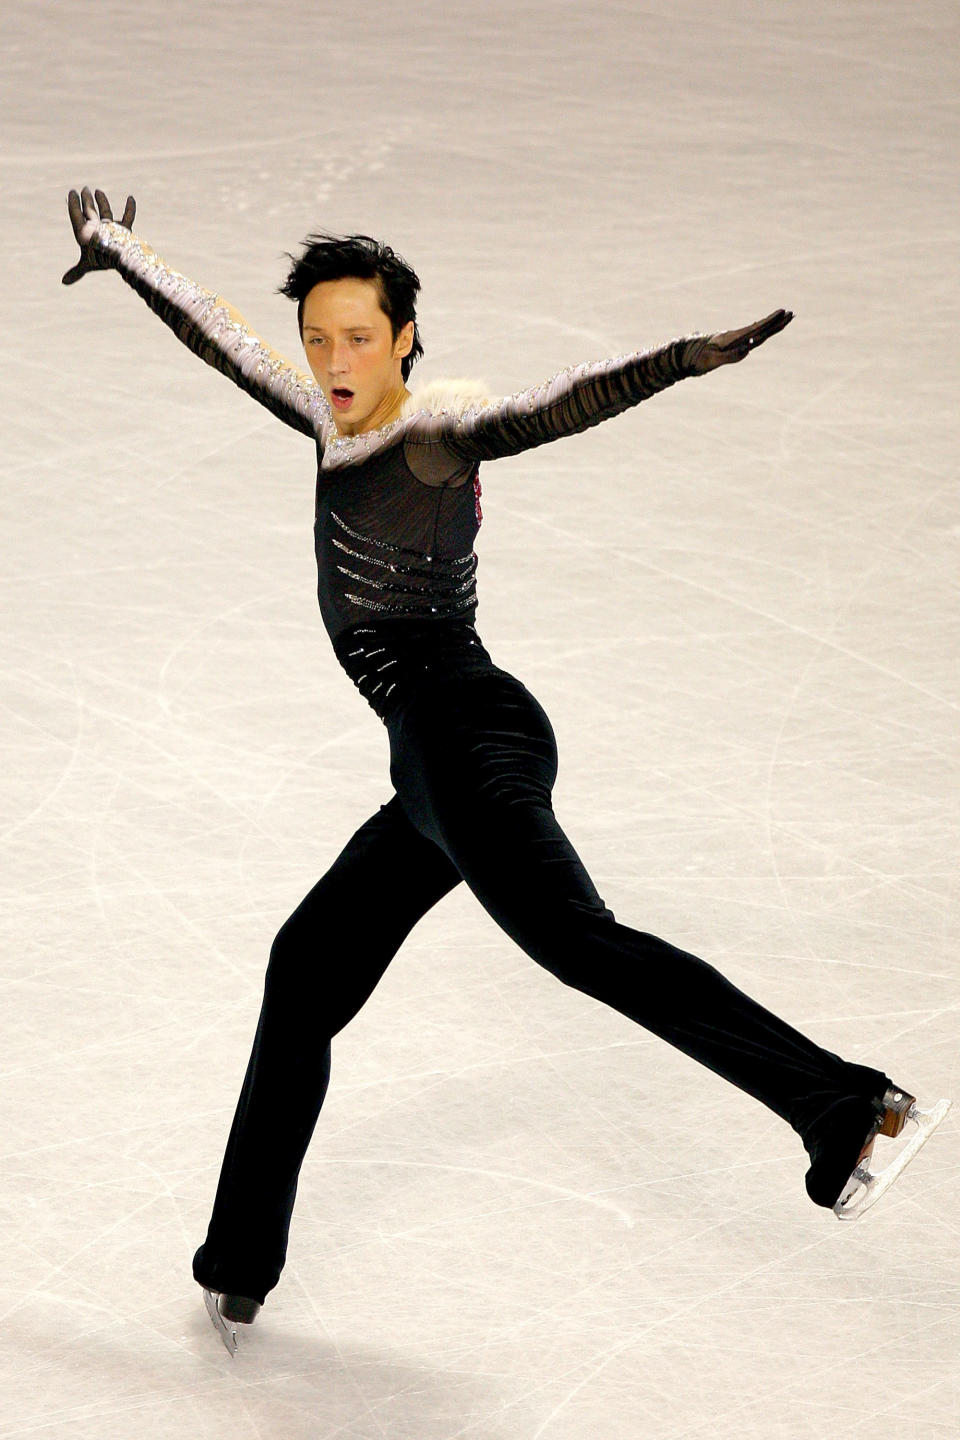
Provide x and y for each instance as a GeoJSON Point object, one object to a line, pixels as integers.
{"type": "Point", "coordinates": [213, 330]}
{"type": "Point", "coordinates": [572, 401]}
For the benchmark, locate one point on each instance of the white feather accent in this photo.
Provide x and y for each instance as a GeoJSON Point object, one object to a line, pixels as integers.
{"type": "Point", "coordinates": [457, 396]}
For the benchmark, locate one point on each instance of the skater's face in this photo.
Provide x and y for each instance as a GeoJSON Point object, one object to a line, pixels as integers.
{"type": "Point", "coordinates": [353, 355]}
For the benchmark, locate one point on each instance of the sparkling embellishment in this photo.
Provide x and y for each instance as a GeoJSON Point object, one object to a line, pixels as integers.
{"type": "Point", "coordinates": [404, 589]}
{"type": "Point", "coordinates": [412, 651]}
{"type": "Point", "coordinates": [395, 566]}
{"type": "Point", "coordinates": [395, 549]}
{"type": "Point", "coordinates": [435, 585]}
{"type": "Point", "coordinates": [203, 322]}
{"type": "Point", "coordinates": [451, 608]}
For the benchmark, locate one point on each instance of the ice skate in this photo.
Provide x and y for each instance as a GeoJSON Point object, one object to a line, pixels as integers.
{"type": "Point", "coordinates": [865, 1185]}
{"type": "Point", "coordinates": [227, 1312]}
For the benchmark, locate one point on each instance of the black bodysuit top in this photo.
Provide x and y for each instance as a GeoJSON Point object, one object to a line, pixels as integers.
{"type": "Point", "coordinates": [397, 509]}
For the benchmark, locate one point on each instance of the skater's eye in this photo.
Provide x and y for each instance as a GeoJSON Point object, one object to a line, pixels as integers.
{"type": "Point", "coordinates": [360, 340]}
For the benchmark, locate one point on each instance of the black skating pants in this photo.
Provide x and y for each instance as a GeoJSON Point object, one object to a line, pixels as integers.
{"type": "Point", "coordinates": [473, 761]}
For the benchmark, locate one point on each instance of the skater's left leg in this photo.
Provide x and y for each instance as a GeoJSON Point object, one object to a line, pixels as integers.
{"type": "Point", "coordinates": [475, 775]}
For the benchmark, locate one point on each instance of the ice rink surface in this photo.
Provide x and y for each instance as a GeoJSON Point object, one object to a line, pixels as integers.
{"type": "Point", "coordinates": [521, 1218]}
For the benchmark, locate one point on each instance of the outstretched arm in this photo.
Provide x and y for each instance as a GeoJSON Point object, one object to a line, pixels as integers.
{"type": "Point", "coordinates": [585, 395]}
{"type": "Point", "coordinates": [204, 322]}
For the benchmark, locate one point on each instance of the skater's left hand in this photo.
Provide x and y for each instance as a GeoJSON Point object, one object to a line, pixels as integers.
{"type": "Point", "coordinates": [708, 351]}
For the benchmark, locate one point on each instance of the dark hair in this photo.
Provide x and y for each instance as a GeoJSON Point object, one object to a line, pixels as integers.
{"type": "Point", "coordinates": [337, 257]}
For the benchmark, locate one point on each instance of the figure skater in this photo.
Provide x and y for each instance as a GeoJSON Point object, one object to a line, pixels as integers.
{"type": "Point", "coordinates": [472, 753]}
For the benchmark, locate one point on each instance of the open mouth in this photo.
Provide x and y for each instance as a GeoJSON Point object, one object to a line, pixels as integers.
{"type": "Point", "coordinates": [341, 397]}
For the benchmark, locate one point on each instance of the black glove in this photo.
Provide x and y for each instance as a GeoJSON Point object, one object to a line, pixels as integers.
{"type": "Point", "coordinates": [84, 218]}
{"type": "Point", "coordinates": [706, 352]}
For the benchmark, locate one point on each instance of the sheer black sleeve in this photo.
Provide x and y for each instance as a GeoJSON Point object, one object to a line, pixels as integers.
{"type": "Point", "coordinates": [572, 401]}
{"type": "Point", "coordinates": [212, 329]}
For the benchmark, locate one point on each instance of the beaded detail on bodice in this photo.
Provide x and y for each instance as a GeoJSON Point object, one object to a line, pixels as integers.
{"type": "Point", "coordinates": [390, 547]}
{"type": "Point", "coordinates": [429, 583]}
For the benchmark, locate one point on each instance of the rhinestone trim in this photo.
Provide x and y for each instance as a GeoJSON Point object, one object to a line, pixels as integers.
{"type": "Point", "coordinates": [398, 549]}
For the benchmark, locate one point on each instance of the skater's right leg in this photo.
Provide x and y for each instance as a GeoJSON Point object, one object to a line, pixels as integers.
{"type": "Point", "coordinates": [324, 964]}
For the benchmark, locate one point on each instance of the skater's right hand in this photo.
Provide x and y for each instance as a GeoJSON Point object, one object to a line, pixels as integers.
{"type": "Point", "coordinates": [84, 218]}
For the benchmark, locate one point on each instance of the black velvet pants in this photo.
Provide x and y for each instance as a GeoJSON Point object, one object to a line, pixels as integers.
{"type": "Point", "coordinates": [473, 760]}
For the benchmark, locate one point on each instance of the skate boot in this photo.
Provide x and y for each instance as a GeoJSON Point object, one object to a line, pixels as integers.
{"type": "Point", "coordinates": [229, 1311]}
{"type": "Point", "coordinates": [865, 1185]}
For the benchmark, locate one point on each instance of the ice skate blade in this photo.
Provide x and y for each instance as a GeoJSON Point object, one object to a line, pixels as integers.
{"type": "Point", "coordinates": [865, 1186]}
{"type": "Point", "coordinates": [227, 1328]}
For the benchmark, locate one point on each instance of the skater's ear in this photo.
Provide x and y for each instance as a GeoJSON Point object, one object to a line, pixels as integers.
{"type": "Point", "coordinates": [404, 341]}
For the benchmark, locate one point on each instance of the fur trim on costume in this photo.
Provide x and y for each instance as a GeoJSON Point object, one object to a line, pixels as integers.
{"type": "Point", "coordinates": [457, 396]}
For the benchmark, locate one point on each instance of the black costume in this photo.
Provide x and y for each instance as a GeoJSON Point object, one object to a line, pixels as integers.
{"type": "Point", "coordinates": [473, 761]}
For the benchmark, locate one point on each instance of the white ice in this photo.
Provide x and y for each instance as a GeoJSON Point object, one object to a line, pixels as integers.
{"type": "Point", "coordinates": [522, 1218]}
